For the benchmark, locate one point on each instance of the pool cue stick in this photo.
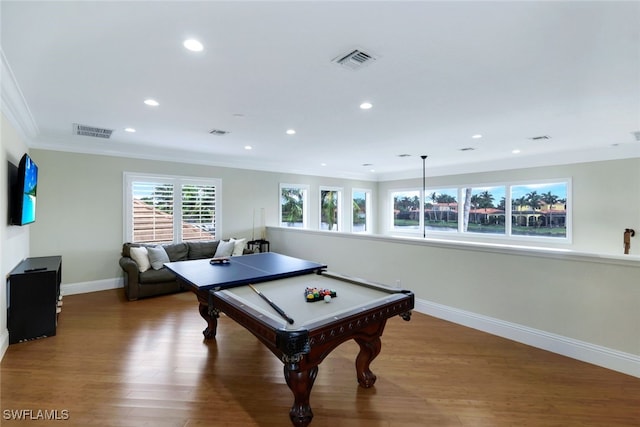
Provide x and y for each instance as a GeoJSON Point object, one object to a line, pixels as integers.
{"type": "Point", "coordinates": [273, 304]}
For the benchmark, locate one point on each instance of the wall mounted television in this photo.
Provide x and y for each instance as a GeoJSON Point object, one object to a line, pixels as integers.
{"type": "Point", "coordinates": [24, 187]}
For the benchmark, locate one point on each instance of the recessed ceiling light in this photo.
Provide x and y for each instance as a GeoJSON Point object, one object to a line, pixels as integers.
{"type": "Point", "coordinates": [366, 105]}
{"type": "Point", "coordinates": [516, 151]}
{"type": "Point", "coordinates": [130, 130]}
{"type": "Point", "coordinates": [248, 147]}
{"type": "Point", "coordinates": [291, 131]}
{"type": "Point", "coordinates": [476, 136]}
{"type": "Point", "coordinates": [193, 45]}
{"type": "Point", "coordinates": [372, 170]}
{"type": "Point", "coordinates": [151, 102]}
{"type": "Point", "coordinates": [323, 164]}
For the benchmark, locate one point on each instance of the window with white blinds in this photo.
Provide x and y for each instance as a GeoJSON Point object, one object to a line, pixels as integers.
{"type": "Point", "coordinates": [165, 209]}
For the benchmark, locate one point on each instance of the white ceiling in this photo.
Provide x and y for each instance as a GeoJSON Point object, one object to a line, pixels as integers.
{"type": "Point", "coordinates": [444, 71]}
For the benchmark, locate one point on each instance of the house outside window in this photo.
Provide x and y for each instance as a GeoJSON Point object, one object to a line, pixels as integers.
{"type": "Point", "coordinates": [539, 210]}
{"type": "Point", "coordinates": [441, 210]}
{"type": "Point", "coordinates": [529, 210]}
{"type": "Point", "coordinates": [484, 210]}
{"type": "Point", "coordinates": [406, 210]}
{"type": "Point", "coordinates": [169, 209]}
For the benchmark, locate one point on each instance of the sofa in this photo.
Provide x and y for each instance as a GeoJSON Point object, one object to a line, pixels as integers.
{"type": "Point", "coordinates": [143, 264]}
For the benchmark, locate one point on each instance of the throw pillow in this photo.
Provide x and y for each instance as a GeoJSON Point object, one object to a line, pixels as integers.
{"type": "Point", "coordinates": [157, 257]}
{"type": "Point", "coordinates": [141, 257]}
{"type": "Point", "coordinates": [177, 251]}
{"type": "Point", "coordinates": [239, 245]}
{"type": "Point", "coordinates": [224, 248]}
{"type": "Point", "coordinates": [200, 250]}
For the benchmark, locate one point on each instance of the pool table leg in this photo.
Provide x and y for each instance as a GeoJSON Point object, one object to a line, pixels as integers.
{"type": "Point", "coordinates": [211, 317]}
{"type": "Point", "coordinates": [370, 347]}
{"type": "Point", "coordinates": [300, 383]}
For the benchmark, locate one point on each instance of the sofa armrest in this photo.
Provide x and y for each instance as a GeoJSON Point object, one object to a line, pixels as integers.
{"type": "Point", "coordinates": [131, 275]}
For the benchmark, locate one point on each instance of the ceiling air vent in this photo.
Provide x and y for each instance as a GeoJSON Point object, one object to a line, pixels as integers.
{"type": "Point", "coordinates": [354, 60]}
{"type": "Point", "coordinates": [636, 135]}
{"type": "Point", "coordinates": [467, 149]}
{"type": "Point", "coordinates": [540, 138]}
{"type": "Point", "coordinates": [93, 131]}
{"type": "Point", "coordinates": [218, 132]}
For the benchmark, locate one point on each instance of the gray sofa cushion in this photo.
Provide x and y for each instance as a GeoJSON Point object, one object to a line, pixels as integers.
{"type": "Point", "coordinates": [156, 276]}
{"type": "Point", "coordinates": [177, 251]}
{"type": "Point", "coordinates": [200, 250]}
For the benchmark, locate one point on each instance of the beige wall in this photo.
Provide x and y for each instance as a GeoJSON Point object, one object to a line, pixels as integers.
{"type": "Point", "coordinates": [80, 202]}
{"type": "Point", "coordinates": [14, 240]}
{"type": "Point", "coordinates": [575, 301]}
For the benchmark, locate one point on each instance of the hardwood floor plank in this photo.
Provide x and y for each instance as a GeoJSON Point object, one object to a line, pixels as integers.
{"type": "Point", "coordinates": [145, 363]}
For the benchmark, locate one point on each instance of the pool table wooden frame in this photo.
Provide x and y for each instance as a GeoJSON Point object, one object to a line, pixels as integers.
{"type": "Point", "coordinates": [303, 349]}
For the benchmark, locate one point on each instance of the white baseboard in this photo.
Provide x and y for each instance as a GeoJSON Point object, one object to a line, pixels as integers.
{"type": "Point", "coordinates": [96, 285]}
{"type": "Point", "coordinates": [586, 352]}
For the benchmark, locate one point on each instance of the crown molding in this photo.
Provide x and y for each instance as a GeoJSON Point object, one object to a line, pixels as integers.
{"type": "Point", "coordinates": [13, 104]}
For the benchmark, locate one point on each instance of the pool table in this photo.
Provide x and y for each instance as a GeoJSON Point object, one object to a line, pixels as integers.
{"type": "Point", "coordinates": [359, 311]}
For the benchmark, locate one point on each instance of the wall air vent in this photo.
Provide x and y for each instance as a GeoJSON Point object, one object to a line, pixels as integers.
{"type": "Point", "coordinates": [93, 131]}
{"type": "Point", "coordinates": [218, 132]}
{"type": "Point", "coordinates": [354, 60]}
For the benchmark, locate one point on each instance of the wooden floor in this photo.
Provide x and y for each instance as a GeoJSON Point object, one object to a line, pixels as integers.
{"type": "Point", "coordinates": [145, 363]}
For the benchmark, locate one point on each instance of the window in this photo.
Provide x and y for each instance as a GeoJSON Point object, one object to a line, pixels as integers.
{"type": "Point", "coordinates": [360, 208]}
{"type": "Point", "coordinates": [539, 210]}
{"type": "Point", "coordinates": [406, 210]}
{"type": "Point", "coordinates": [330, 209]}
{"type": "Point", "coordinates": [293, 205]}
{"type": "Point", "coordinates": [484, 210]}
{"type": "Point", "coordinates": [165, 209]}
{"type": "Point", "coordinates": [441, 210]}
{"type": "Point", "coordinates": [529, 210]}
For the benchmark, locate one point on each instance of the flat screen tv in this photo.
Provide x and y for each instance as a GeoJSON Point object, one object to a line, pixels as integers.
{"type": "Point", "coordinates": [24, 191]}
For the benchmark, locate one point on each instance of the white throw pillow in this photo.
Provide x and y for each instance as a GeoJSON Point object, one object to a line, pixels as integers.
{"type": "Point", "coordinates": [239, 245]}
{"type": "Point", "coordinates": [224, 249]}
{"type": "Point", "coordinates": [141, 257]}
{"type": "Point", "coordinates": [157, 257]}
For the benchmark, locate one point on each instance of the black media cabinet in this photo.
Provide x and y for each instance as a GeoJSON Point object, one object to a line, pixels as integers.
{"type": "Point", "coordinates": [33, 298]}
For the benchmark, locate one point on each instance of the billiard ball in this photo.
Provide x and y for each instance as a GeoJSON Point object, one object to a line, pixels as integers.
{"type": "Point", "coordinates": [327, 298]}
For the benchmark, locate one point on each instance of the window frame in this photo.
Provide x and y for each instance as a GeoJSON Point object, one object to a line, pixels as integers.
{"type": "Point", "coordinates": [178, 182]}
{"type": "Point", "coordinates": [339, 213]}
{"type": "Point", "coordinates": [305, 203]}
{"type": "Point", "coordinates": [508, 234]}
{"type": "Point", "coordinates": [407, 231]}
{"type": "Point", "coordinates": [368, 209]}
{"type": "Point", "coordinates": [507, 213]}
